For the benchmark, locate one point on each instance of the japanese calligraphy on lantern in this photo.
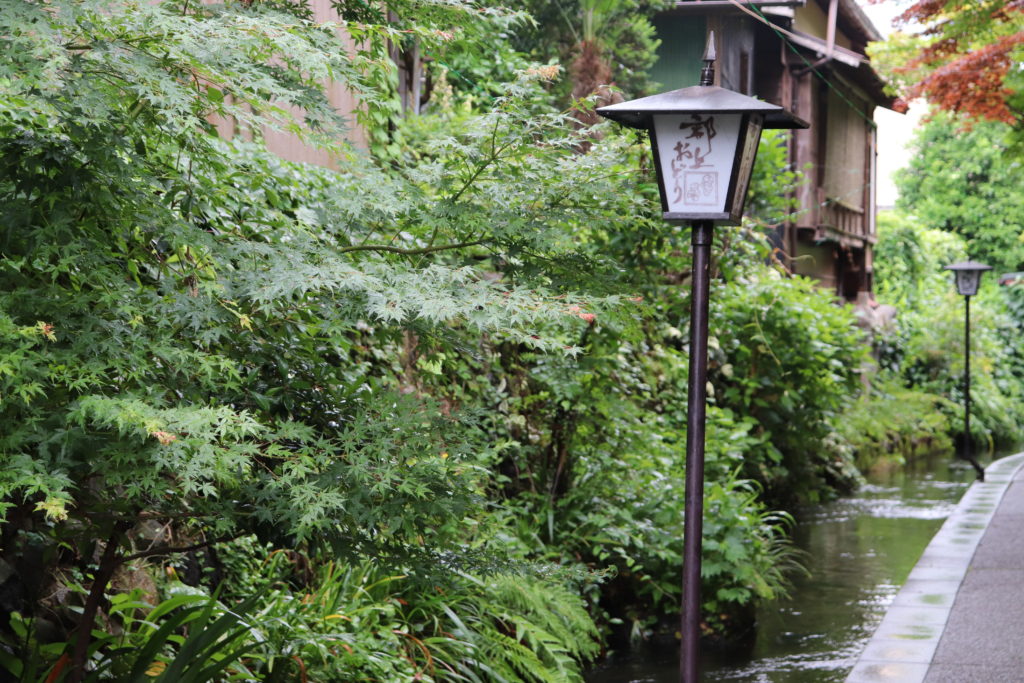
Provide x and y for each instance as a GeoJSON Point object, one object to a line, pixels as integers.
{"type": "Point", "coordinates": [695, 152]}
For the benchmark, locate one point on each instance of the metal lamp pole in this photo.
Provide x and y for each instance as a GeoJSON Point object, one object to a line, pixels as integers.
{"type": "Point", "coordinates": [701, 235]}
{"type": "Point", "coordinates": [704, 141]}
{"type": "Point", "coordinates": [696, 409]}
{"type": "Point", "coordinates": [967, 390]}
{"type": "Point", "coordinates": [968, 278]}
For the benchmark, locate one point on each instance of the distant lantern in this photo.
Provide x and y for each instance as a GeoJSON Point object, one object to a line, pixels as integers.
{"type": "Point", "coordinates": [968, 276]}
{"type": "Point", "coordinates": [704, 139]}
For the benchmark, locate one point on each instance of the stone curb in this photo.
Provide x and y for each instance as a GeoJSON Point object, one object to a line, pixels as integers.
{"type": "Point", "coordinates": [902, 646]}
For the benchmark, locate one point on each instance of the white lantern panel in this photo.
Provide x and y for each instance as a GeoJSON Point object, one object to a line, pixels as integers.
{"type": "Point", "coordinates": [967, 282]}
{"type": "Point", "coordinates": [696, 153]}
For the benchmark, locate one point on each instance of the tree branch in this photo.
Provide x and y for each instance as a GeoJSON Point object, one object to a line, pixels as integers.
{"type": "Point", "coordinates": [408, 252]}
{"type": "Point", "coordinates": [167, 550]}
{"type": "Point", "coordinates": [109, 562]}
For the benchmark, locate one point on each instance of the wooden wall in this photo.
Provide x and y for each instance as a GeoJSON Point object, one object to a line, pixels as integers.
{"type": "Point", "coordinates": [682, 39]}
{"type": "Point", "coordinates": [846, 154]}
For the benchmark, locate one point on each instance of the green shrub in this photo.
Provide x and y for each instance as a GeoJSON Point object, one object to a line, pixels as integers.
{"type": "Point", "coordinates": [890, 424]}
{"type": "Point", "coordinates": [926, 348]}
{"type": "Point", "coordinates": [626, 511]}
{"type": "Point", "coordinates": [787, 356]}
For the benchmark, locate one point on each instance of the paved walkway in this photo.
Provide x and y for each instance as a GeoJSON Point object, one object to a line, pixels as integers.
{"type": "Point", "coordinates": [960, 616]}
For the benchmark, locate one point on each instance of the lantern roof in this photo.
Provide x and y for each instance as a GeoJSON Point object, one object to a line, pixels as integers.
{"type": "Point", "coordinates": [698, 99]}
{"type": "Point", "coordinates": [968, 265]}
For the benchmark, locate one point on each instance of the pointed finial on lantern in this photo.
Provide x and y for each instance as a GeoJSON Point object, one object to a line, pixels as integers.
{"type": "Point", "coordinates": [707, 74]}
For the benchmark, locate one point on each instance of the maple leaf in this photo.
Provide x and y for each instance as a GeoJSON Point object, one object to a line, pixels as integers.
{"type": "Point", "coordinates": [965, 57]}
{"type": "Point", "coordinates": [165, 438]}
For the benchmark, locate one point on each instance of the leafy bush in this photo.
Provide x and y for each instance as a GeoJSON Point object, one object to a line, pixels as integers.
{"type": "Point", "coordinates": [189, 637]}
{"type": "Point", "coordinates": [926, 349]}
{"type": "Point", "coordinates": [386, 370]}
{"type": "Point", "coordinates": [197, 335]}
{"type": "Point", "coordinates": [625, 511]}
{"type": "Point", "coordinates": [890, 424]}
{"type": "Point", "coordinates": [965, 180]}
{"type": "Point", "coordinates": [352, 622]}
{"type": "Point", "coordinates": [789, 357]}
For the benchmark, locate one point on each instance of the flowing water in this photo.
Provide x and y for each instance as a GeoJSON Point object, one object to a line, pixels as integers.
{"type": "Point", "coordinates": [859, 549]}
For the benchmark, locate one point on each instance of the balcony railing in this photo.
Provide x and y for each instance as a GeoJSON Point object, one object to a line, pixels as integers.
{"type": "Point", "coordinates": [844, 223]}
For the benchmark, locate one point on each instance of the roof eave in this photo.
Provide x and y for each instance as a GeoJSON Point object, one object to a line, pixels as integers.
{"type": "Point", "coordinates": [697, 6]}
{"type": "Point", "coordinates": [856, 16]}
{"type": "Point", "coordinates": [698, 99]}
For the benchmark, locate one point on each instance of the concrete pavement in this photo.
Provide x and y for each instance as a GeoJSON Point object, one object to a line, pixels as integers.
{"type": "Point", "coordinates": [959, 618]}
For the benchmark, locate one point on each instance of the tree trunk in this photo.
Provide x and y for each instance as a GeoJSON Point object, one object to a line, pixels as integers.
{"type": "Point", "coordinates": [591, 74]}
{"type": "Point", "coordinates": [109, 563]}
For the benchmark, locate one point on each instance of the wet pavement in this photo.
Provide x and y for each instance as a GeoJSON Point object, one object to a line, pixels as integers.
{"type": "Point", "coordinates": [959, 618]}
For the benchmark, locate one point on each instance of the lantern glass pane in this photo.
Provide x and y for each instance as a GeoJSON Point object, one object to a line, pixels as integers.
{"type": "Point", "coordinates": [696, 153]}
{"type": "Point", "coordinates": [967, 282]}
{"type": "Point", "coordinates": [746, 163]}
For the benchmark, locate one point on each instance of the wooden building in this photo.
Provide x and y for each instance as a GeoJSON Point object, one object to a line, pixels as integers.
{"type": "Point", "coordinates": [808, 56]}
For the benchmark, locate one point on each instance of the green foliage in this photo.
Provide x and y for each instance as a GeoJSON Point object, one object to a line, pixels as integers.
{"type": "Point", "coordinates": [915, 424]}
{"type": "Point", "coordinates": [188, 352]}
{"type": "Point", "coordinates": [966, 181]}
{"type": "Point", "coordinates": [354, 622]}
{"type": "Point", "coordinates": [360, 622]}
{"type": "Point", "coordinates": [747, 557]}
{"type": "Point", "coordinates": [960, 196]}
{"type": "Point", "coordinates": [591, 448]}
{"type": "Point", "coordinates": [773, 183]}
{"type": "Point", "coordinates": [787, 356]}
{"type": "Point", "coordinates": [926, 348]}
{"type": "Point", "coordinates": [622, 29]}
{"type": "Point", "coordinates": [889, 56]}
{"type": "Point", "coordinates": [198, 333]}
{"type": "Point", "coordinates": [455, 40]}
{"type": "Point", "coordinates": [216, 640]}
{"type": "Point", "coordinates": [625, 510]}
{"type": "Point", "coordinates": [905, 260]}
{"type": "Point", "coordinates": [934, 362]}
{"type": "Point", "coordinates": [189, 637]}
{"type": "Point", "coordinates": [525, 630]}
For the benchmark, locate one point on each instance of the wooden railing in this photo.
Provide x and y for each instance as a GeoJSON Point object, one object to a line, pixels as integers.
{"type": "Point", "coordinates": [844, 219]}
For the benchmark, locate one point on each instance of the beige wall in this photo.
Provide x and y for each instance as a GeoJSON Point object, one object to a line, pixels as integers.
{"type": "Point", "coordinates": [287, 145]}
{"type": "Point", "coordinates": [813, 20]}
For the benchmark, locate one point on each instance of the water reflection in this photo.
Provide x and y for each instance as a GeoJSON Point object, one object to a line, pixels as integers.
{"type": "Point", "coordinates": [860, 551]}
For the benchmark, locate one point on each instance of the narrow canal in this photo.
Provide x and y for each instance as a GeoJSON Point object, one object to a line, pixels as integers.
{"type": "Point", "coordinates": [859, 549]}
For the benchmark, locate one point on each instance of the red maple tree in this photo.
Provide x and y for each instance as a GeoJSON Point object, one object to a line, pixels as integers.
{"type": "Point", "coordinates": [972, 49]}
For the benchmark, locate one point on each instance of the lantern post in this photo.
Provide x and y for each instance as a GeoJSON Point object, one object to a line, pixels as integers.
{"type": "Point", "coordinates": [704, 139]}
{"type": "Point", "coordinates": [968, 278]}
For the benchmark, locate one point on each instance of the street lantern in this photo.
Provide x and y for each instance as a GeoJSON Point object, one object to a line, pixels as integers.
{"type": "Point", "coordinates": [704, 139]}
{"type": "Point", "coordinates": [968, 278]}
